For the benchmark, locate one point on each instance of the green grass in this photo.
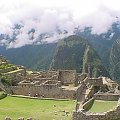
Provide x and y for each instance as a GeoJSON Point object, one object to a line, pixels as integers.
{"type": "Point", "coordinates": [15, 107]}
{"type": "Point", "coordinates": [101, 106]}
{"type": "Point", "coordinates": [4, 66]}
{"type": "Point", "coordinates": [15, 71]}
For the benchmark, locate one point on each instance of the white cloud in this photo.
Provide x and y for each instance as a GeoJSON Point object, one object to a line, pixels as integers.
{"type": "Point", "coordinates": [48, 15]}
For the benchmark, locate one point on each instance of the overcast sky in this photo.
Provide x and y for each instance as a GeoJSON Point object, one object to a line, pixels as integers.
{"type": "Point", "coordinates": [46, 15]}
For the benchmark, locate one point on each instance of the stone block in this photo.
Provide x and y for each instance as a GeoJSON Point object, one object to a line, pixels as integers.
{"type": "Point", "coordinates": [22, 118]}
{"type": "Point", "coordinates": [7, 118]}
{"type": "Point", "coordinates": [29, 118]}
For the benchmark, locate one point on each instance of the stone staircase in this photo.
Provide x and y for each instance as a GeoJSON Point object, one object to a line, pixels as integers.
{"type": "Point", "coordinates": [85, 94]}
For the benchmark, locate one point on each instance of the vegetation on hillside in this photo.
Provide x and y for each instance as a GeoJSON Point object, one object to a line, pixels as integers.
{"type": "Point", "coordinates": [115, 61]}
{"type": "Point", "coordinates": [103, 45]}
{"type": "Point", "coordinates": [4, 66]}
{"type": "Point", "coordinates": [40, 57]}
{"type": "Point", "coordinates": [69, 54]}
{"type": "Point", "coordinates": [35, 57]}
{"type": "Point", "coordinates": [92, 64]}
{"type": "Point", "coordinates": [6, 80]}
{"type": "Point", "coordinates": [76, 53]}
{"type": "Point", "coordinates": [2, 95]}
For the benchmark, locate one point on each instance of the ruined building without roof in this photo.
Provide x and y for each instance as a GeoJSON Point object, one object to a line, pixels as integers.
{"type": "Point", "coordinates": [62, 84]}
{"type": "Point", "coordinates": [66, 84]}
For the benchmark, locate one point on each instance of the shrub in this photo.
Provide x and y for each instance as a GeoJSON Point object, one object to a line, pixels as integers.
{"type": "Point", "coordinates": [6, 80]}
{"type": "Point", "coordinates": [2, 95]}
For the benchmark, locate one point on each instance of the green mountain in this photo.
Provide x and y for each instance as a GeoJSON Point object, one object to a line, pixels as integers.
{"type": "Point", "coordinates": [35, 57]}
{"type": "Point", "coordinates": [115, 60]}
{"type": "Point", "coordinates": [76, 53]}
{"type": "Point", "coordinates": [102, 43]}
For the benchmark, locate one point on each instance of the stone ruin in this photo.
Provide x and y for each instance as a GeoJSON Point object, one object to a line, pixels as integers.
{"type": "Point", "coordinates": [68, 84]}
{"type": "Point", "coordinates": [113, 114]}
{"type": "Point", "coordinates": [62, 84]}
{"type": "Point", "coordinates": [100, 94]}
{"type": "Point", "coordinates": [65, 84]}
{"type": "Point", "coordinates": [51, 84]}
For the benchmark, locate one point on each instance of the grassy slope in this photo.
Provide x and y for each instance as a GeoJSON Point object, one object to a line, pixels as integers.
{"type": "Point", "coordinates": [102, 106]}
{"type": "Point", "coordinates": [37, 109]}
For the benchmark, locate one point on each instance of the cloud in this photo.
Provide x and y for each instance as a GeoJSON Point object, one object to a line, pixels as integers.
{"type": "Point", "coordinates": [100, 21]}
{"type": "Point", "coordinates": [54, 16]}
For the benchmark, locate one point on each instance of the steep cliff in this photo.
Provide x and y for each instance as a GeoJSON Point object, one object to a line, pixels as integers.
{"type": "Point", "coordinates": [76, 53]}
{"type": "Point", "coordinates": [115, 60]}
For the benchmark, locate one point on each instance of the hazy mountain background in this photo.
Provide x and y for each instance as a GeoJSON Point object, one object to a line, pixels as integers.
{"type": "Point", "coordinates": [35, 57]}
{"type": "Point", "coordinates": [31, 33]}
{"type": "Point", "coordinates": [59, 56]}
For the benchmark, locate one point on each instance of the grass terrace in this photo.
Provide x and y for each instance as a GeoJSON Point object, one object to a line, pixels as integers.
{"type": "Point", "coordinates": [14, 71]}
{"type": "Point", "coordinates": [98, 106]}
{"type": "Point", "coordinates": [15, 107]}
{"type": "Point", "coordinates": [4, 66]}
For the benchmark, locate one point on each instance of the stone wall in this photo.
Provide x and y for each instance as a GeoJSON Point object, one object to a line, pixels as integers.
{"type": "Point", "coordinates": [81, 88]}
{"type": "Point", "coordinates": [96, 81]}
{"type": "Point", "coordinates": [79, 91]}
{"type": "Point", "coordinates": [47, 74]}
{"type": "Point", "coordinates": [50, 89]}
{"type": "Point", "coordinates": [15, 90]}
{"type": "Point", "coordinates": [90, 92]}
{"type": "Point", "coordinates": [25, 88]}
{"type": "Point", "coordinates": [68, 94]}
{"type": "Point", "coordinates": [38, 76]}
{"type": "Point", "coordinates": [67, 76]}
{"type": "Point", "coordinates": [54, 91]}
{"type": "Point", "coordinates": [41, 80]}
{"type": "Point", "coordinates": [111, 115]}
{"type": "Point", "coordinates": [80, 78]}
{"type": "Point", "coordinates": [52, 73]}
{"type": "Point", "coordinates": [50, 86]}
{"type": "Point", "coordinates": [106, 96]}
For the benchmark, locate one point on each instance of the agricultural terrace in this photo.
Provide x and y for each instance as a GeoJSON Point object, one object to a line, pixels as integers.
{"type": "Point", "coordinates": [101, 106]}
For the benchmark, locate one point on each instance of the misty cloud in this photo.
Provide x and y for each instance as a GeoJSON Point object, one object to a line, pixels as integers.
{"type": "Point", "coordinates": [54, 19]}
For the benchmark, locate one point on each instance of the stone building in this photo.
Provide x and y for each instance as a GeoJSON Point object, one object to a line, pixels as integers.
{"type": "Point", "coordinates": [99, 93]}
{"type": "Point", "coordinates": [68, 84]}
{"type": "Point", "coordinates": [62, 84]}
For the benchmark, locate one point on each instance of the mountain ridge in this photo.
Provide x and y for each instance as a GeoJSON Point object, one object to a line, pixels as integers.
{"type": "Point", "coordinates": [76, 53]}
